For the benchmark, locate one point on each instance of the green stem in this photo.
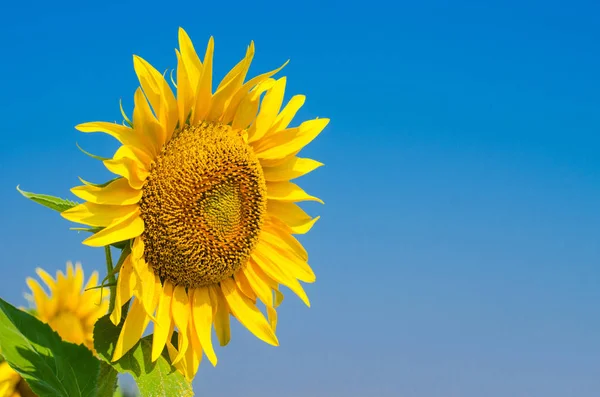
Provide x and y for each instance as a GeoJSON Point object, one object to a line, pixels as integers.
{"type": "Point", "coordinates": [111, 278]}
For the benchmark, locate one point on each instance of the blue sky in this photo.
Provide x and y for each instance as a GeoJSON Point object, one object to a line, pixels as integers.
{"type": "Point", "coordinates": [457, 254]}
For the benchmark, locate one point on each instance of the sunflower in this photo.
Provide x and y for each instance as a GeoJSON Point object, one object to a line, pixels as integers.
{"type": "Point", "coordinates": [11, 383]}
{"type": "Point", "coordinates": [71, 310]}
{"type": "Point", "coordinates": [203, 195]}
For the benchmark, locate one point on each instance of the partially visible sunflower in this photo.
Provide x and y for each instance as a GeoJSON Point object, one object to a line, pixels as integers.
{"type": "Point", "coordinates": [69, 309]}
{"type": "Point", "coordinates": [11, 383]}
{"type": "Point", "coordinates": [204, 196]}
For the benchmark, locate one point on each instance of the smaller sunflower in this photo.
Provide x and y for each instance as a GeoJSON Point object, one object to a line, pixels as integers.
{"type": "Point", "coordinates": [71, 309]}
{"type": "Point", "coordinates": [11, 384]}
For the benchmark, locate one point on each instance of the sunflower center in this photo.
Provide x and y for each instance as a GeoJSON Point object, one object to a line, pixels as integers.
{"type": "Point", "coordinates": [203, 206]}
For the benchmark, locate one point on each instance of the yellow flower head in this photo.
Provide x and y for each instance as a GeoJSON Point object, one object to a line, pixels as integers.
{"type": "Point", "coordinates": [69, 309]}
{"type": "Point", "coordinates": [204, 196]}
{"type": "Point", "coordinates": [11, 383]}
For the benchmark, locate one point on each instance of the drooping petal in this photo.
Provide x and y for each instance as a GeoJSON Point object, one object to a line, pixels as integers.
{"type": "Point", "coordinates": [243, 285]}
{"type": "Point", "coordinates": [148, 285]}
{"type": "Point", "coordinates": [221, 314]}
{"type": "Point", "coordinates": [262, 289]}
{"type": "Point", "coordinates": [203, 320]}
{"type": "Point", "coordinates": [124, 290]}
{"type": "Point", "coordinates": [122, 229]}
{"type": "Point", "coordinates": [163, 321]}
{"type": "Point", "coordinates": [133, 328]}
{"type": "Point", "coordinates": [193, 355]}
{"type": "Point", "coordinates": [246, 312]}
{"type": "Point", "coordinates": [180, 310]}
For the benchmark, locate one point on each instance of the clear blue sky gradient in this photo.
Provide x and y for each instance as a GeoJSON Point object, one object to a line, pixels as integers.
{"type": "Point", "coordinates": [457, 254]}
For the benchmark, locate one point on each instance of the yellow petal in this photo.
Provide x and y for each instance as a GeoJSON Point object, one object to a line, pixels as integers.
{"type": "Point", "coordinates": [288, 191]}
{"type": "Point", "coordinates": [283, 241]}
{"type": "Point", "coordinates": [202, 316]}
{"type": "Point", "coordinates": [124, 292]}
{"type": "Point", "coordinates": [293, 168]}
{"type": "Point", "coordinates": [269, 109]}
{"type": "Point", "coordinates": [292, 215]}
{"type": "Point", "coordinates": [163, 321]}
{"type": "Point", "coordinates": [247, 313]}
{"type": "Point", "coordinates": [239, 70]}
{"type": "Point", "coordinates": [39, 296]}
{"type": "Point", "coordinates": [122, 229]}
{"type": "Point", "coordinates": [193, 355]}
{"type": "Point", "coordinates": [149, 284]}
{"type": "Point", "coordinates": [180, 310]}
{"type": "Point", "coordinates": [261, 288]}
{"type": "Point", "coordinates": [239, 95]}
{"type": "Point", "coordinates": [190, 59]}
{"type": "Point", "coordinates": [97, 214]}
{"type": "Point", "coordinates": [248, 107]}
{"type": "Point", "coordinates": [243, 285]}
{"type": "Point", "coordinates": [133, 328]}
{"type": "Point", "coordinates": [229, 86]}
{"type": "Point", "coordinates": [126, 162]}
{"type": "Point", "coordinates": [287, 114]}
{"type": "Point", "coordinates": [118, 192]}
{"type": "Point", "coordinates": [287, 261]}
{"type": "Point", "coordinates": [278, 297]}
{"type": "Point", "coordinates": [46, 278]}
{"type": "Point", "coordinates": [204, 90]}
{"type": "Point", "coordinates": [272, 317]}
{"type": "Point", "coordinates": [185, 93]}
{"type": "Point", "coordinates": [145, 124]}
{"type": "Point", "coordinates": [221, 315]}
{"type": "Point", "coordinates": [159, 94]}
{"type": "Point", "coordinates": [278, 274]}
{"type": "Point", "coordinates": [286, 142]}
{"type": "Point", "coordinates": [123, 134]}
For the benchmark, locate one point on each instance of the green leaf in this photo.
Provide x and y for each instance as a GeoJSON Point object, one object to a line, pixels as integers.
{"type": "Point", "coordinates": [107, 381]}
{"type": "Point", "coordinates": [157, 379]}
{"type": "Point", "coordinates": [55, 203]}
{"type": "Point", "coordinates": [50, 366]}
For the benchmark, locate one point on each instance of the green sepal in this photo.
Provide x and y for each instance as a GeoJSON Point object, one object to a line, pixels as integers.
{"type": "Point", "coordinates": [95, 157]}
{"type": "Point", "coordinates": [55, 203]}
